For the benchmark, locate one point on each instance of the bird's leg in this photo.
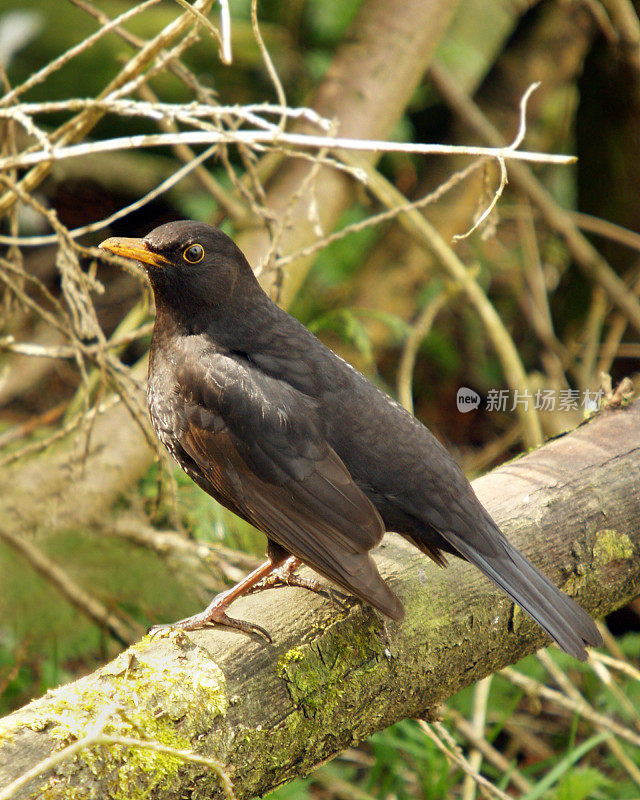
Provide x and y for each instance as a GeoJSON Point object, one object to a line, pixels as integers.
{"type": "Point", "coordinates": [285, 575]}
{"type": "Point", "coordinates": [215, 614]}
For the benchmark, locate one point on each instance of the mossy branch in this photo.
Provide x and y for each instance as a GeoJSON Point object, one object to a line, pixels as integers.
{"type": "Point", "coordinates": [266, 713]}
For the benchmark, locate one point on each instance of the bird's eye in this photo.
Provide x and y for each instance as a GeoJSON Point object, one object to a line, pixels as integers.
{"type": "Point", "coordinates": [194, 253]}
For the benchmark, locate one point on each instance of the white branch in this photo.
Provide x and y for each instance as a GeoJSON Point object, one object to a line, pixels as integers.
{"type": "Point", "coordinates": [275, 138]}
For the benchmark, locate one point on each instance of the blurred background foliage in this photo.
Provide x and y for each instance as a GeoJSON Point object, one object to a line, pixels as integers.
{"type": "Point", "coordinates": [363, 295]}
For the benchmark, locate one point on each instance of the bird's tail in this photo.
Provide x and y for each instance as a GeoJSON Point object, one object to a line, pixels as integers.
{"type": "Point", "coordinates": [564, 620]}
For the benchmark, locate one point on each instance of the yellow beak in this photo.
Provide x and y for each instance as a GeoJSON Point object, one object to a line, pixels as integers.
{"type": "Point", "coordinates": [134, 248]}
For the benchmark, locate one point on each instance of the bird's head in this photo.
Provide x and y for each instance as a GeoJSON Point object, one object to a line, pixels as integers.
{"type": "Point", "coordinates": [192, 267]}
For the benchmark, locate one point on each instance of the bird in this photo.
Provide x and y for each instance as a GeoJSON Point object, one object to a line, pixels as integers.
{"type": "Point", "coordinates": [289, 436]}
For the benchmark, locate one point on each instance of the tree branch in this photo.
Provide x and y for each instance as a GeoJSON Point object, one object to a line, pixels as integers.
{"type": "Point", "coordinates": [267, 713]}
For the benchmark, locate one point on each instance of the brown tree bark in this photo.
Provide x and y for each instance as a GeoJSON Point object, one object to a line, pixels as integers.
{"type": "Point", "coordinates": [334, 675]}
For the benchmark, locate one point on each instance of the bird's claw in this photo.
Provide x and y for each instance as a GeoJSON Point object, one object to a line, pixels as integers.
{"type": "Point", "coordinates": [288, 579]}
{"type": "Point", "coordinates": [210, 618]}
{"type": "Point", "coordinates": [286, 575]}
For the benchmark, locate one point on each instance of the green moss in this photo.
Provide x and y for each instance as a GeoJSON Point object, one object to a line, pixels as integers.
{"type": "Point", "coordinates": [137, 771]}
{"type": "Point", "coordinates": [5, 737]}
{"type": "Point", "coordinates": [315, 673]}
{"type": "Point", "coordinates": [345, 666]}
{"type": "Point", "coordinates": [611, 546]}
{"type": "Point", "coordinates": [292, 655]}
{"type": "Point", "coordinates": [574, 585]}
{"type": "Point", "coordinates": [343, 684]}
{"type": "Point", "coordinates": [166, 695]}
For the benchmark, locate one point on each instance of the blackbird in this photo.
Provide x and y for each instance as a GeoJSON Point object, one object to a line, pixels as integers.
{"type": "Point", "coordinates": [290, 437]}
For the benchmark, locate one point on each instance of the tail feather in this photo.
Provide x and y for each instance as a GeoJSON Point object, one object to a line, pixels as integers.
{"type": "Point", "coordinates": [563, 619]}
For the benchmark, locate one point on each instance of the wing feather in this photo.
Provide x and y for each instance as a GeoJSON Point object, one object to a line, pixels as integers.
{"type": "Point", "coordinates": [258, 443]}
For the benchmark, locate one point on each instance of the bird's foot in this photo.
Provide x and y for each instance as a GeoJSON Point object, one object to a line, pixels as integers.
{"type": "Point", "coordinates": [286, 575]}
{"type": "Point", "coordinates": [215, 613]}
{"type": "Point", "coordinates": [209, 618]}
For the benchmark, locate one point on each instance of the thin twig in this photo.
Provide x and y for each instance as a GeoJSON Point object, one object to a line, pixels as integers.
{"type": "Point", "coordinates": [418, 333]}
{"type": "Point", "coordinates": [257, 137]}
{"type": "Point", "coordinates": [587, 257]}
{"type": "Point", "coordinates": [80, 125]}
{"type": "Point", "coordinates": [571, 690]}
{"type": "Point", "coordinates": [492, 755]}
{"type": "Point", "coordinates": [538, 689]}
{"type": "Point", "coordinates": [273, 75]}
{"type": "Point", "coordinates": [480, 701]}
{"type": "Point", "coordinates": [226, 55]}
{"type": "Point", "coordinates": [98, 739]}
{"type": "Point", "coordinates": [86, 603]}
{"type": "Point", "coordinates": [390, 213]}
{"type": "Point", "coordinates": [517, 141]}
{"type": "Point", "coordinates": [204, 21]}
{"type": "Point", "coordinates": [59, 62]}
{"type": "Point", "coordinates": [448, 746]}
{"type": "Point", "coordinates": [67, 429]}
{"type": "Point", "coordinates": [606, 229]}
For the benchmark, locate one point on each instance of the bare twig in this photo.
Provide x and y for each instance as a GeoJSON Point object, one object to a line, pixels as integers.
{"type": "Point", "coordinates": [444, 742]}
{"type": "Point", "coordinates": [86, 603]}
{"type": "Point", "coordinates": [587, 257]}
{"type": "Point", "coordinates": [492, 755]}
{"type": "Point", "coordinates": [480, 701]}
{"type": "Point", "coordinates": [419, 331]}
{"type": "Point", "coordinates": [80, 125]}
{"type": "Point", "coordinates": [575, 705]}
{"type": "Point", "coordinates": [571, 691]}
{"type": "Point", "coordinates": [273, 75]}
{"type": "Point", "coordinates": [273, 138]}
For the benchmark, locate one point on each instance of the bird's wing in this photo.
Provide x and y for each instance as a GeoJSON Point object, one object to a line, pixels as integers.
{"type": "Point", "coordinates": [259, 443]}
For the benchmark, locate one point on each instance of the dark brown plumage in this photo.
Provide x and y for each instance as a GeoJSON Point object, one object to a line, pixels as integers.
{"type": "Point", "coordinates": [286, 434]}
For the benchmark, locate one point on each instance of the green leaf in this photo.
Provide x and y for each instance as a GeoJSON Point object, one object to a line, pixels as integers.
{"type": "Point", "coordinates": [554, 775]}
{"type": "Point", "coordinates": [580, 783]}
{"type": "Point", "coordinates": [398, 327]}
{"type": "Point", "coordinates": [345, 322]}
